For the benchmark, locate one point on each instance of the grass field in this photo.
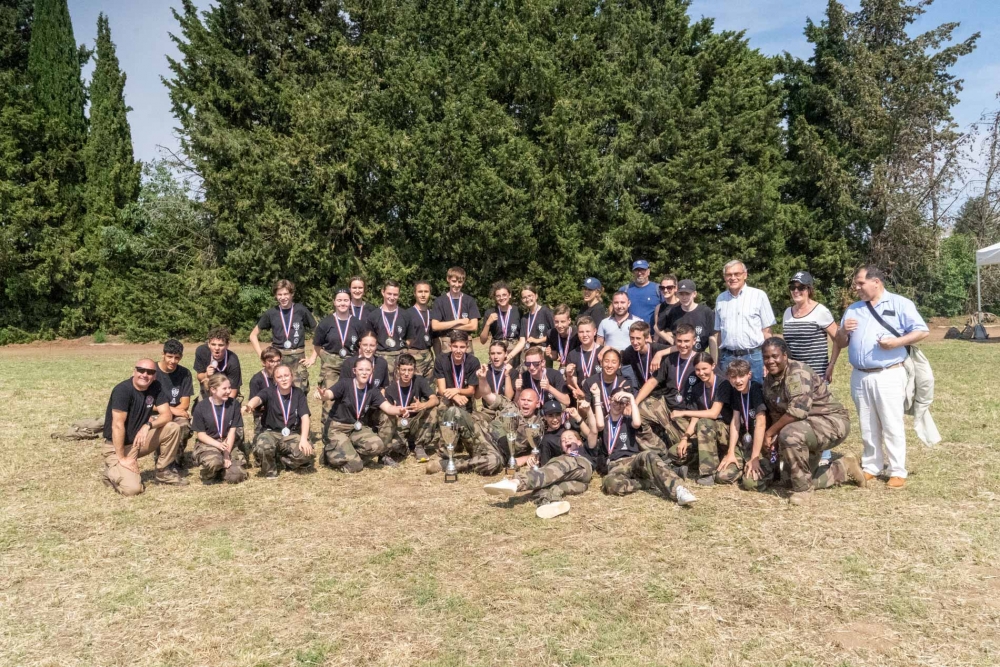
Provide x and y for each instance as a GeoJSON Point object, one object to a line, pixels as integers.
{"type": "Point", "coordinates": [396, 568]}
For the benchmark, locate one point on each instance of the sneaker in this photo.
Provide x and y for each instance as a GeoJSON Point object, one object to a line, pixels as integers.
{"type": "Point", "coordinates": [681, 471]}
{"type": "Point", "coordinates": [800, 498]}
{"type": "Point", "coordinates": [434, 467]}
{"type": "Point", "coordinates": [896, 482]}
{"type": "Point", "coordinates": [552, 510]}
{"type": "Point", "coordinates": [685, 497]}
{"type": "Point", "coordinates": [169, 476]}
{"type": "Point", "coordinates": [389, 462]}
{"type": "Point", "coordinates": [419, 454]}
{"type": "Point", "coordinates": [707, 480]}
{"type": "Point", "coordinates": [854, 471]}
{"type": "Point", "coordinates": [505, 487]}
{"type": "Point", "coordinates": [271, 474]}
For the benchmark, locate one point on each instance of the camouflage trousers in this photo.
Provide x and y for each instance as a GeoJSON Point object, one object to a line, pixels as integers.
{"type": "Point", "coordinates": [390, 360]}
{"type": "Point", "coordinates": [768, 469]}
{"type": "Point", "coordinates": [561, 476]}
{"type": "Point", "coordinates": [802, 444]}
{"type": "Point", "coordinates": [639, 472]}
{"type": "Point", "coordinates": [329, 375]}
{"type": "Point", "coordinates": [713, 443]}
{"type": "Point", "coordinates": [425, 363]}
{"type": "Point", "coordinates": [470, 430]}
{"type": "Point", "coordinates": [300, 374]}
{"type": "Point", "coordinates": [213, 461]}
{"type": "Point", "coordinates": [659, 432]}
{"type": "Point", "coordinates": [347, 449]}
{"type": "Point", "coordinates": [271, 447]}
{"type": "Point", "coordinates": [419, 432]}
{"type": "Point", "coordinates": [184, 430]}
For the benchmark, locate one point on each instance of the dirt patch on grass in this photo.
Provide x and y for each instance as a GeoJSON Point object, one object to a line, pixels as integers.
{"type": "Point", "coordinates": [865, 636]}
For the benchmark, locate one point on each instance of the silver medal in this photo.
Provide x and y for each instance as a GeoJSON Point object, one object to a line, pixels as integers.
{"type": "Point", "coordinates": [286, 431]}
{"type": "Point", "coordinates": [357, 426]}
{"type": "Point", "coordinates": [404, 422]}
{"type": "Point", "coordinates": [427, 338]}
{"type": "Point", "coordinates": [288, 345]}
{"type": "Point", "coordinates": [747, 439]}
{"type": "Point", "coordinates": [562, 371]}
{"type": "Point", "coordinates": [390, 342]}
{"type": "Point", "coordinates": [343, 352]}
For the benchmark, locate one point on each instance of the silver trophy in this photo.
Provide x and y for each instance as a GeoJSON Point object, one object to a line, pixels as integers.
{"type": "Point", "coordinates": [448, 434]}
{"type": "Point", "coordinates": [510, 421]}
{"type": "Point", "coordinates": [531, 432]}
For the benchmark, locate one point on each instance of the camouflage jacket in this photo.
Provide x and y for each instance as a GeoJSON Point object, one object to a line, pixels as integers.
{"type": "Point", "coordinates": [800, 393]}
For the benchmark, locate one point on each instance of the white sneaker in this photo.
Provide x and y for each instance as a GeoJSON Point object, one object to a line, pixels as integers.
{"type": "Point", "coordinates": [505, 487]}
{"type": "Point", "coordinates": [685, 497]}
{"type": "Point", "coordinates": [552, 510]}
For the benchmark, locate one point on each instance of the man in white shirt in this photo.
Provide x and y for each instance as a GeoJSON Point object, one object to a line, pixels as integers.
{"type": "Point", "coordinates": [613, 331]}
{"type": "Point", "coordinates": [743, 320]}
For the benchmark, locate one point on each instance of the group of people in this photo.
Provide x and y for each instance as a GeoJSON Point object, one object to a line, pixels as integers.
{"type": "Point", "coordinates": [659, 392]}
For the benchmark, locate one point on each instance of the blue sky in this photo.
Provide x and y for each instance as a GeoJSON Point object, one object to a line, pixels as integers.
{"type": "Point", "coordinates": [140, 30]}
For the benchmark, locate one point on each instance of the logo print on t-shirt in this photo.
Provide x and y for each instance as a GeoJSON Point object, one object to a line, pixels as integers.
{"type": "Point", "coordinates": [149, 401]}
{"type": "Point", "coordinates": [623, 437]}
{"type": "Point", "coordinates": [753, 413]}
{"type": "Point", "coordinates": [175, 392]}
{"type": "Point", "coordinates": [698, 330]}
{"type": "Point", "coordinates": [691, 379]}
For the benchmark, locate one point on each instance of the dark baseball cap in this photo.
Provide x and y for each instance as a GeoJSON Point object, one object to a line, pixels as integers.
{"type": "Point", "coordinates": [591, 283]}
{"type": "Point", "coordinates": [552, 407]}
{"type": "Point", "coordinates": [802, 277]}
{"type": "Point", "coordinates": [686, 286]}
{"type": "Point", "coordinates": [640, 264]}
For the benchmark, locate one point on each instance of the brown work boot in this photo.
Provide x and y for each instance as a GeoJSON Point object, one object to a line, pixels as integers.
{"type": "Point", "coordinates": [169, 476]}
{"type": "Point", "coordinates": [869, 477]}
{"type": "Point", "coordinates": [434, 467]}
{"type": "Point", "coordinates": [896, 482]}
{"type": "Point", "coordinates": [800, 498]}
{"type": "Point", "coordinates": [235, 474]}
{"type": "Point", "coordinates": [854, 471]}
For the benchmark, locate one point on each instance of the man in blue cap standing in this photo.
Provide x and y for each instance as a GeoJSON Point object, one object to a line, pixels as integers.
{"type": "Point", "coordinates": [643, 295]}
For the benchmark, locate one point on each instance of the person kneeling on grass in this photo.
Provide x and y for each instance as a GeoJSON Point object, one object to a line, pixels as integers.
{"type": "Point", "coordinates": [215, 423]}
{"type": "Point", "coordinates": [348, 443]}
{"type": "Point", "coordinates": [805, 421]}
{"type": "Point", "coordinates": [286, 426]}
{"type": "Point", "coordinates": [563, 472]}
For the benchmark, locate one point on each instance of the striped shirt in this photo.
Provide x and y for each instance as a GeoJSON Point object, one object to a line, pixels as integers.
{"type": "Point", "coordinates": [806, 337]}
{"type": "Point", "coordinates": [741, 319]}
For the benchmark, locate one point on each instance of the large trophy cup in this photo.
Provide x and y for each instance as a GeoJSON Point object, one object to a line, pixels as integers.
{"type": "Point", "coordinates": [510, 421]}
{"type": "Point", "coordinates": [531, 432]}
{"type": "Point", "coordinates": [449, 435]}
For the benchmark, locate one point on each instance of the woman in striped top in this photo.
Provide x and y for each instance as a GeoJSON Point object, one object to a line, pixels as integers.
{"type": "Point", "coordinates": [807, 326]}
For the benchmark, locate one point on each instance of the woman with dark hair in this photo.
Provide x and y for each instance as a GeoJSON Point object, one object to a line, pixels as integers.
{"type": "Point", "coordinates": [808, 326]}
{"type": "Point", "coordinates": [503, 324]}
{"type": "Point", "coordinates": [709, 421]}
{"type": "Point", "coordinates": [536, 321]}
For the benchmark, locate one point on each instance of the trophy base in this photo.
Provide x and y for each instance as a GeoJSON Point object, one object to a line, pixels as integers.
{"type": "Point", "coordinates": [510, 473]}
{"type": "Point", "coordinates": [450, 477]}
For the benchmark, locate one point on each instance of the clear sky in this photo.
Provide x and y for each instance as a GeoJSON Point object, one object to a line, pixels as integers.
{"type": "Point", "coordinates": [140, 30]}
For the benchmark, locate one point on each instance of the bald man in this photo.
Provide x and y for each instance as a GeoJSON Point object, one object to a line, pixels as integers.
{"type": "Point", "coordinates": [139, 422]}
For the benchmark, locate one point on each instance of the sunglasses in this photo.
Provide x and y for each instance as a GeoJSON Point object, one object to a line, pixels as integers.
{"type": "Point", "coordinates": [798, 288]}
{"type": "Point", "coordinates": [668, 288]}
{"type": "Point", "coordinates": [145, 371]}
{"type": "Point", "coordinates": [532, 364]}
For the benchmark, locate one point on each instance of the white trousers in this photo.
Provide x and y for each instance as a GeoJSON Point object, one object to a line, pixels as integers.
{"type": "Point", "coordinates": [879, 398]}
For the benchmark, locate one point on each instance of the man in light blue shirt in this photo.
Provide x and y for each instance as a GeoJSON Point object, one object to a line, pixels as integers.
{"type": "Point", "coordinates": [877, 351]}
{"type": "Point", "coordinates": [643, 295]}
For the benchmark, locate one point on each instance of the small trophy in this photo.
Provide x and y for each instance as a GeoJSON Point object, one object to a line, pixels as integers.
{"type": "Point", "coordinates": [510, 421]}
{"type": "Point", "coordinates": [448, 434]}
{"type": "Point", "coordinates": [531, 432]}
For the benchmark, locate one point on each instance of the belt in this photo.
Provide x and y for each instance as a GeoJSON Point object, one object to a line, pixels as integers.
{"type": "Point", "coordinates": [740, 353]}
{"type": "Point", "coordinates": [879, 370]}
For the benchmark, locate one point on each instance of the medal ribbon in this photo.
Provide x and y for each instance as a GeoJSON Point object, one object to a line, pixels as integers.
{"type": "Point", "coordinates": [459, 375]}
{"type": "Point", "coordinates": [390, 330]}
{"type": "Point", "coordinates": [359, 312]}
{"type": "Point", "coordinates": [495, 380]}
{"type": "Point", "coordinates": [532, 316]}
{"type": "Point", "coordinates": [409, 390]}
{"type": "Point", "coordinates": [588, 366]}
{"type": "Point", "coordinates": [606, 396]}
{"type": "Point", "coordinates": [343, 332]}
{"type": "Point", "coordinates": [745, 408]}
{"type": "Point", "coordinates": [613, 431]}
{"type": "Point", "coordinates": [427, 322]}
{"type": "Point", "coordinates": [359, 404]}
{"type": "Point", "coordinates": [225, 362]}
{"type": "Point", "coordinates": [682, 374]}
{"type": "Point", "coordinates": [706, 399]}
{"type": "Point", "coordinates": [541, 394]}
{"type": "Point", "coordinates": [281, 314]}
{"type": "Point", "coordinates": [645, 369]}
{"type": "Point", "coordinates": [220, 420]}
{"type": "Point", "coordinates": [285, 412]}
{"type": "Point", "coordinates": [267, 382]}
{"type": "Point", "coordinates": [504, 322]}
{"type": "Point", "coordinates": [455, 310]}
{"type": "Point", "coordinates": [563, 352]}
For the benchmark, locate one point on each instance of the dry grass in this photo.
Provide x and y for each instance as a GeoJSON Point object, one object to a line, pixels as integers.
{"type": "Point", "coordinates": [395, 568]}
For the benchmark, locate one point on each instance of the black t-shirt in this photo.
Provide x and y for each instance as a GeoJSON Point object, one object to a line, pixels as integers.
{"type": "Point", "coordinates": [297, 319]}
{"type": "Point", "coordinates": [578, 357]}
{"type": "Point", "coordinates": [753, 401]}
{"type": "Point", "coordinates": [608, 389]}
{"type": "Point", "coordinates": [380, 370]}
{"type": "Point", "coordinates": [444, 368]}
{"type": "Point", "coordinates": [625, 443]}
{"type": "Point", "coordinates": [551, 445]}
{"type": "Point", "coordinates": [675, 379]}
{"type": "Point", "coordinates": [138, 406]}
{"type": "Point", "coordinates": [347, 398]}
{"type": "Point", "coordinates": [597, 312]}
{"type": "Point", "coordinates": [569, 343]}
{"type": "Point", "coordinates": [378, 320]}
{"type": "Point", "coordinates": [496, 379]}
{"type": "Point", "coordinates": [334, 335]}
{"type": "Point", "coordinates": [537, 324]}
{"type": "Point", "coordinates": [702, 398]}
{"type": "Point", "coordinates": [554, 377]}
{"type": "Point", "coordinates": [639, 363]}
{"type": "Point", "coordinates": [176, 385]}
{"type": "Point", "coordinates": [702, 318]}
{"type": "Point", "coordinates": [204, 421]}
{"type": "Point", "coordinates": [418, 328]}
{"type": "Point", "coordinates": [419, 391]}
{"type": "Point", "coordinates": [361, 313]}
{"type": "Point", "coordinates": [445, 308]}
{"type": "Point", "coordinates": [505, 328]}
{"type": "Point", "coordinates": [275, 404]}
{"type": "Point", "coordinates": [229, 366]}
{"type": "Point", "coordinates": [259, 382]}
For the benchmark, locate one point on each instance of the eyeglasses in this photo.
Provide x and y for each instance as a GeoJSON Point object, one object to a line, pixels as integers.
{"type": "Point", "coordinates": [668, 288]}
{"type": "Point", "coordinates": [798, 288]}
{"type": "Point", "coordinates": [145, 371]}
{"type": "Point", "coordinates": [532, 364]}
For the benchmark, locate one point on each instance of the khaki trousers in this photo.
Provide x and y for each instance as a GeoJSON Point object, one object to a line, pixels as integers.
{"type": "Point", "coordinates": [164, 440]}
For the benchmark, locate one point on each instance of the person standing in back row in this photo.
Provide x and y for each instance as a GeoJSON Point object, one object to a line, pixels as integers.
{"type": "Point", "coordinates": [288, 322]}
{"type": "Point", "coordinates": [453, 311]}
{"type": "Point", "coordinates": [390, 326]}
{"type": "Point", "coordinates": [687, 311]}
{"type": "Point", "coordinates": [643, 295]}
{"type": "Point", "coordinates": [807, 326]}
{"type": "Point", "coordinates": [593, 301]}
{"type": "Point", "coordinates": [876, 332]}
{"type": "Point", "coordinates": [418, 329]}
{"type": "Point", "coordinates": [743, 320]}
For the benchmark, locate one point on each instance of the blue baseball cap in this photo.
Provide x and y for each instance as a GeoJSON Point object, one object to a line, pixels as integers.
{"type": "Point", "coordinates": [591, 283]}
{"type": "Point", "coordinates": [640, 264]}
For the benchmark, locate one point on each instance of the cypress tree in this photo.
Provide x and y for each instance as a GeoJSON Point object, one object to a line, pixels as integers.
{"type": "Point", "coordinates": [54, 63]}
